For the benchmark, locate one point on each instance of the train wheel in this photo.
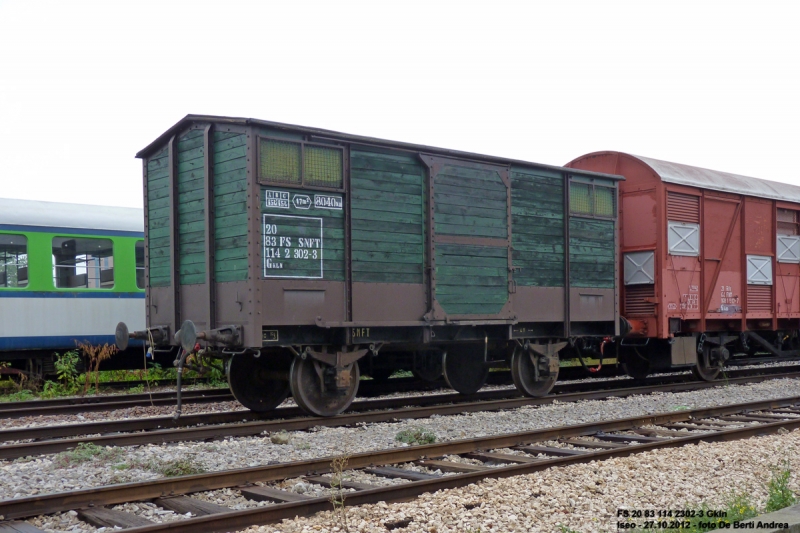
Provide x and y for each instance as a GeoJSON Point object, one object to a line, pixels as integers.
{"type": "Point", "coordinates": [314, 389]}
{"type": "Point", "coordinates": [428, 365]}
{"type": "Point", "coordinates": [260, 384]}
{"type": "Point", "coordinates": [465, 368]}
{"type": "Point", "coordinates": [707, 368]}
{"type": "Point", "coordinates": [526, 378]}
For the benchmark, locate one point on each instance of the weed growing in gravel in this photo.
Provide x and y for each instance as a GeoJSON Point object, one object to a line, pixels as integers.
{"type": "Point", "coordinates": [338, 466]}
{"type": "Point", "coordinates": [175, 467]}
{"type": "Point", "coordinates": [780, 495]}
{"type": "Point", "coordinates": [740, 506]}
{"type": "Point", "coordinates": [138, 389]}
{"type": "Point", "coordinates": [565, 529]}
{"type": "Point", "coordinates": [416, 436]}
{"type": "Point", "coordinates": [87, 451]}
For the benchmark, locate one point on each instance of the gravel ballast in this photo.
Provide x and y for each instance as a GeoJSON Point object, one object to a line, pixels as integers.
{"type": "Point", "coordinates": [46, 474]}
{"type": "Point", "coordinates": [583, 497]}
{"type": "Point", "coordinates": [51, 473]}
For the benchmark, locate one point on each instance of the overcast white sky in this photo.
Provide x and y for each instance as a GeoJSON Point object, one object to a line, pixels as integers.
{"type": "Point", "coordinates": [85, 85]}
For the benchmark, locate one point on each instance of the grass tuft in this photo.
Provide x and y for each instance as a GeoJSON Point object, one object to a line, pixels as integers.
{"type": "Point", "coordinates": [416, 436]}
{"type": "Point", "coordinates": [85, 452]}
{"type": "Point", "coordinates": [176, 467]}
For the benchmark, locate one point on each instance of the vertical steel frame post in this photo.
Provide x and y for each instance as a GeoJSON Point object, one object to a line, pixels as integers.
{"type": "Point", "coordinates": [174, 252]}
{"type": "Point", "coordinates": [208, 205]}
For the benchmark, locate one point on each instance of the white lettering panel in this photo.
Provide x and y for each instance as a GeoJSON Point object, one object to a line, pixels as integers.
{"type": "Point", "coordinates": [292, 247]}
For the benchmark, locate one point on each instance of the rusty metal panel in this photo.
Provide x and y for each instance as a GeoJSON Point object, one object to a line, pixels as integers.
{"type": "Point", "coordinates": [638, 208]}
{"type": "Point", "coordinates": [722, 257]}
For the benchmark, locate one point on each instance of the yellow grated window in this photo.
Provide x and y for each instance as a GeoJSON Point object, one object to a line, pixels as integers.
{"type": "Point", "coordinates": [280, 161]}
{"type": "Point", "coordinates": [580, 198]}
{"type": "Point", "coordinates": [604, 202]}
{"type": "Point", "coordinates": [323, 167]}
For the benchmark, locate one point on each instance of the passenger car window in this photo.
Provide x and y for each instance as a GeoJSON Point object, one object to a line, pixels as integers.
{"type": "Point", "coordinates": [140, 264]}
{"type": "Point", "coordinates": [83, 263]}
{"type": "Point", "coordinates": [13, 261]}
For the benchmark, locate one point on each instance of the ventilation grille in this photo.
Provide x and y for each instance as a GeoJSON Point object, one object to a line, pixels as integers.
{"type": "Point", "coordinates": [635, 304]}
{"type": "Point", "coordinates": [683, 208]}
{"type": "Point", "coordinates": [759, 299]}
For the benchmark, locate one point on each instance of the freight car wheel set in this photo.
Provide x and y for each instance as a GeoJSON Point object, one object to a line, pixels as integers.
{"type": "Point", "coordinates": [304, 257]}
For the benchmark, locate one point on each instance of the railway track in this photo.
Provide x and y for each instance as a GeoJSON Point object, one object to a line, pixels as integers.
{"type": "Point", "coordinates": [426, 468]}
{"type": "Point", "coordinates": [32, 441]}
{"type": "Point", "coordinates": [83, 404]}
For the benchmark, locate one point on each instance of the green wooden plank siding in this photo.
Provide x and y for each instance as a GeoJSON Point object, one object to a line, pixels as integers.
{"type": "Point", "coordinates": [190, 155]}
{"type": "Point", "coordinates": [591, 253]}
{"type": "Point", "coordinates": [471, 279]}
{"type": "Point", "coordinates": [537, 218]}
{"type": "Point", "coordinates": [387, 217]}
{"type": "Point", "coordinates": [230, 206]}
{"type": "Point", "coordinates": [158, 217]}
{"type": "Point", "coordinates": [307, 241]}
{"type": "Point", "coordinates": [470, 202]}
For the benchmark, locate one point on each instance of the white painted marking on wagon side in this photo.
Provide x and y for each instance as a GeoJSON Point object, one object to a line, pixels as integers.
{"type": "Point", "coordinates": [288, 252]}
{"type": "Point", "coordinates": [277, 199]}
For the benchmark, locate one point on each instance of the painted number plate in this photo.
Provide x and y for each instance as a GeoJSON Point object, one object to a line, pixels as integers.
{"type": "Point", "coordinates": [292, 247]}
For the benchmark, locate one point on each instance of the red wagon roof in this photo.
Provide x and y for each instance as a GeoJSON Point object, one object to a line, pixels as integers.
{"type": "Point", "coordinates": [713, 179]}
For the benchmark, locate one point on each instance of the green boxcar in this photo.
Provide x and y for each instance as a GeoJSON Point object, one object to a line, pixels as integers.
{"type": "Point", "coordinates": [278, 239]}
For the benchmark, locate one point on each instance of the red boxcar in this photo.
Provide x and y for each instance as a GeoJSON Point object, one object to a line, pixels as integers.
{"type": "Point", "coordinates": [710, 264]}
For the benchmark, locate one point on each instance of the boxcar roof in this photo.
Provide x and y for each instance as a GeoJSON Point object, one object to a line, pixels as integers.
{"type": "Point", "coordinates": [79, 216]}
{"type": "Point", "coordinates": [346, 137]}
{"type": "Point", "coordinates": [712, 179]}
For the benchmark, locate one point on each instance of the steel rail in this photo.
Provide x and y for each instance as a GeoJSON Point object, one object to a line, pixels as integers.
{"type": "Point", "coordinates": [151, 489]}
{"type": "Point", "coordinates": [270, 514]}
{"type": "Point", "coordinates": [369, 412]}
{"type": "Point", "coordinates": [63, 406]}
{"type": "Point", "coordinates": [85, 404]}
